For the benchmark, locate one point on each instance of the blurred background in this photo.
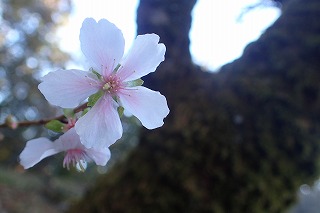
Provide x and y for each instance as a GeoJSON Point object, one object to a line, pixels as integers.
{"type": "Point", "coordinates": [241, 79]}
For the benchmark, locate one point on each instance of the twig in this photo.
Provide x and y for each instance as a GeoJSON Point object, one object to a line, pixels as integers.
{"type": "Point", "coordinates": [44, 121]}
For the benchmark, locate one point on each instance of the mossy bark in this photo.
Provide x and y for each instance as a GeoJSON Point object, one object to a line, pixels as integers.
{"type": "Point", "coordinates": [240, 140]}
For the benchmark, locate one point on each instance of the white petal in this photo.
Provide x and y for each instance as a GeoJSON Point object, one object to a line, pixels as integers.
{"type": "Point", "coordinates": [35, 151]}
{"type": "Point", "coordinates": [67, 141]}
{"type": "Point", "coordinates": [102, 43]}
{"type": "Point", "coordinates": [101, 126]}
{"type": "Point", "coordinates": [67, 88]}
{"type": "Point", "coordinates": [99, 156]}
{"type": "Point", "coordinates": [149, 106]}
{"type": "Point", "coordinates": [144, 57]}
{"type": "Point", "coordinates": [71, 140]}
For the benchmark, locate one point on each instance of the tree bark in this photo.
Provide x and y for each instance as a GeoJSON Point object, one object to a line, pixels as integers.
{"type": "Point", "coordinates": [241, 140]}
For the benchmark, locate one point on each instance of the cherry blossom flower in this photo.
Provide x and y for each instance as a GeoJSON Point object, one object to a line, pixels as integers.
{"type": "Point", "coordinates": [113, 83]}
{"type": "Point", "coordinates": [75, 152]}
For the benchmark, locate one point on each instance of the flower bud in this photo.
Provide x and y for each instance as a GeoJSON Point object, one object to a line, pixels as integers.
{"type": "Point", "coordinates": [11, 122]}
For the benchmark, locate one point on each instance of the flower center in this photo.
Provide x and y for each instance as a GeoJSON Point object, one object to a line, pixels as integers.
{"type": "Point", "coordinates": [76, 157]}
{"type": "Point", "coordinates": [112, 84]}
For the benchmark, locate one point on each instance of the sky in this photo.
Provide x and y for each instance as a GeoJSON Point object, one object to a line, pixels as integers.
{"type": "Point", "coordinates": [217, 36]}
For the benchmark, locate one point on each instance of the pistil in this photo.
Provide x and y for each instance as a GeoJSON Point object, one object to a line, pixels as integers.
{"type": "Point", "coordinates": [112, 84]}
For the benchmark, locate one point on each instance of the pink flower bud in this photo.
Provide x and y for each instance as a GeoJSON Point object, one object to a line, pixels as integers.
{"type": "Point", "coordinates": [11, 122]}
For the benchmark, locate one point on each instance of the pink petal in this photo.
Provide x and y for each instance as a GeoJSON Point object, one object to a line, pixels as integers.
{"type": "Point", "coordinates": [144, 57]}
{"type": "Point", "coordinates": [67, 141]}
{"type": "Point", "coordinates": [99, 156]}
{"type": "Point", "coordinates": [67, 88]}
{"type": "Point", "coordinates": [149, 106]}
{"type": "Point", "coordinates": [101, 126]}
{"type": "Point", "coordinates": [70, 140]}
{"type": "Point", "coordinates": [35, 151]}
{"type": "Point", "coordinates": [102, 43]}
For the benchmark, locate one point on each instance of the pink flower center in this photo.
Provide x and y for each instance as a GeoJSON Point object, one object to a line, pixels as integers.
{"type": "Point", "coordinates": [112, 84]}
{"type": "Point", "coordinates": [75, 157]}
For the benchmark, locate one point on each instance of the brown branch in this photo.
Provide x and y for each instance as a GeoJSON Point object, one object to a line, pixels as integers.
{"type": "Point", "coordinates": [44, 121]}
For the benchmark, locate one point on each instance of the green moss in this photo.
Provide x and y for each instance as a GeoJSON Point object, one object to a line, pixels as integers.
{"type": "Point", "coordinates": [242, 140]}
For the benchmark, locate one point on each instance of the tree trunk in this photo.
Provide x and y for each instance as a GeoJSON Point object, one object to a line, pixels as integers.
{"type": "Point", "coordinates": [241, 140]}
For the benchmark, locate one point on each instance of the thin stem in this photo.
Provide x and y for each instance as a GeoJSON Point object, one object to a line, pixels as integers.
{"type": "Point", "coordinates": [44, 121]}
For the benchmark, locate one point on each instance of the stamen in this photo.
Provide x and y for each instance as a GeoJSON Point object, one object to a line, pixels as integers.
{"type": "Point", "coordinates": [75, 156]}
{"type": "Point", "coordinates": [112, 84]}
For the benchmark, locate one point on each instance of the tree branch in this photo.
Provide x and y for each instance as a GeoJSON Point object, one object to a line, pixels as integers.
{"type": "Point", "coordinates": [44, 121]}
